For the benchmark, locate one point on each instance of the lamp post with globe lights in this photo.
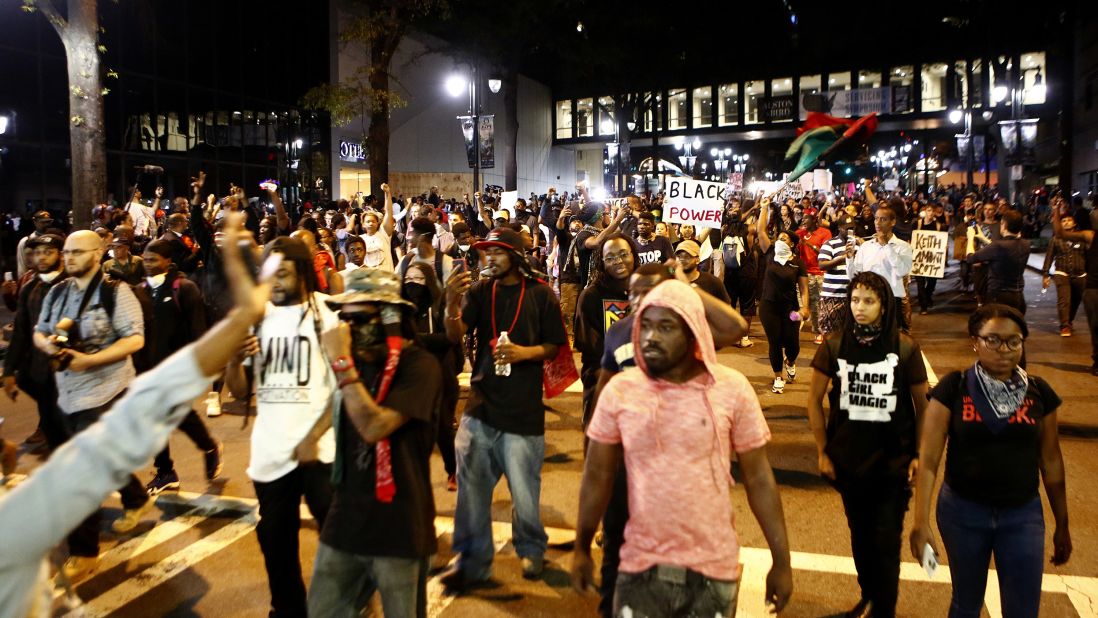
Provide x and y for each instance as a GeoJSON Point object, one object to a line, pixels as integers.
{"type": "Point", "coordinates": [457, 84]}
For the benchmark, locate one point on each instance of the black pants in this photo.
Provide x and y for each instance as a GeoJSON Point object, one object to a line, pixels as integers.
{"type": "Point", "coordinates": [782, 333]}
{"type": "Point", "coordinates": [279, 526]}
{"type": "Point", "coordinates": [197, 431]}
{"type": "Point", "coordinates": [447, 410]}
{"type": "Point", "coordinates": [875, 514]}
{"type": "Point", "coordinates": [84, 540]}
{"type": "Point", "coordinates": [613, 537]}
{"type": "Point", "coordinates": [1069, 295]}
{"type": "Point", "coordinates": [1010, 299]}
{"type": "Point", "coordinates": [1090, 305]}
{"type": "Point", "coordinates": [926, 286]}
{"type": "Point", "coordinates": [979, 282]}
{"type": "Point", "coordinates": [50, 418]}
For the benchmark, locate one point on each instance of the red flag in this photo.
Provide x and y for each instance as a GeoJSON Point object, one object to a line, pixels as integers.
{"type": "Point", "coordinates": [862, 128]}
{"type": "Point", "coordinates": [816, 120]}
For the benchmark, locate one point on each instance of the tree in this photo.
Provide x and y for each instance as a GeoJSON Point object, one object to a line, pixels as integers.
{"type": "Point", "coordinates": [79, 32]}
{"type": "Point", "coordinates": [375, 29]}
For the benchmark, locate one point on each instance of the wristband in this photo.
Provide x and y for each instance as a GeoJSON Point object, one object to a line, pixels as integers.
{"type": "Point", "coordinates": [343, 363]}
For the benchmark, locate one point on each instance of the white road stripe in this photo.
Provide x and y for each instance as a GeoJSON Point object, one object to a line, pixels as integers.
{"type": "Point", "coordinates": [126, 592]}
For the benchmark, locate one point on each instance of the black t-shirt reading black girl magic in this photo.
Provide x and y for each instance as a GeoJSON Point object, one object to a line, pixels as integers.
{"type": "Point", "coordinates": [511, 403]}
{"type": "Point", "coordinates": [357, 522]}
{"type": "Point", "coordinates": [780, 282]}
{"type": "Point", "coordinates": [1000, 470]}
{"type": "Point", "coordinates": [871, 424]}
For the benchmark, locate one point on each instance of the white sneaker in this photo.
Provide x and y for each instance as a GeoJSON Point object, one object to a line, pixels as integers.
{"type": "Point", "coordinates": [213, 404]}
{"type": "Point", "coordinates": [790, 372]}
{"type": "Point", "coordinates": [779, 386]}
{"type": "Point", "coordinates": [746, 342]}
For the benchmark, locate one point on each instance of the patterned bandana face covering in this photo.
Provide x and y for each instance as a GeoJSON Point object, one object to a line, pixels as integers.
{"type": "Point", "coordinates": [1004, 397]}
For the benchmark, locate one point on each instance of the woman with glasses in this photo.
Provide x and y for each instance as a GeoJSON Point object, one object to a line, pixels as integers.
{"type": "Point", "coordinates": [1001, 426]}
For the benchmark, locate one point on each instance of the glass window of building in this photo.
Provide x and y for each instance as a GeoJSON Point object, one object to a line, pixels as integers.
{"type": "Point", "coordinates": [703, 107]}
{"type": "Point", "coordinates": [728, 105]}
{"type": "Point", "coordinates": [1034, 86]}
{"type": "Point", "coordinates": [810, 86]}
{"type": "Point", "coordinates": [676, 109]}
{"type": "Point", "coordinates": [653, 112]}
{"type": "Point", "coordinates": [606, 116]}
{"type": "Point", "coordinates": [976, 91]}
{"type": "Point", "coordinates": [901, 79]}
{"type": "Point", "coordinates": [753, 93]}
{"type": "Point", "coordinates": [564, 119]}
{"type": "Point", "coordinates": [869, 79]}
{"type": "Point", "coordinates": [959, 90]}
{"type": "Point", "coordinates": [838, 80]}
{"type": "Point", "coordinates": [934, 91]}
{"type": "Point", "coordinates": [585, 120]}
{"type": "Point", "coordinates": [781, 87]}
{"type": "Point", "coordinates": [999, 73]}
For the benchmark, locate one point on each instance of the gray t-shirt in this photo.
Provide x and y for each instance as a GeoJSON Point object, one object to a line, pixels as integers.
{"type": "Point", "coordinates": [83, 390]}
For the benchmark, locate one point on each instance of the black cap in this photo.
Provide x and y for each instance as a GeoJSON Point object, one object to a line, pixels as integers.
{"type": "Point", "coordinates": [47, 240]}
{"type": "Point", "coordinates": [503, 237]}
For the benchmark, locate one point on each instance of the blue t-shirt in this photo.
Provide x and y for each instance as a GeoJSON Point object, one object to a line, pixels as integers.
{"type": "Point", "coordinates": [618, 346]}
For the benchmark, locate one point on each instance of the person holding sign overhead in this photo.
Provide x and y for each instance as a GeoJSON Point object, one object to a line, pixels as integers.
{"type": "Point", "coordinates": [784, 300]}
{"type": "Point", "coordinates": [867, 444]}
{"type": "Point", "coordinates": [926, 285]}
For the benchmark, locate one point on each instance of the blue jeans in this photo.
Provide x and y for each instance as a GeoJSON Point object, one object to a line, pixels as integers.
{"type": "Point", "coordinates": [483, 454]}
{"type": "Point", "coordinates": [673, 591]}
{"type": "Point", "coordinates": [343, 584]}
{"type": "Point", "coordinates": [972, 533]}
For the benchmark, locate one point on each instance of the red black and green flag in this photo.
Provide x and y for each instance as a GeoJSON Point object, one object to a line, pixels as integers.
{"type": "Point", "coordinates": [822, 136]}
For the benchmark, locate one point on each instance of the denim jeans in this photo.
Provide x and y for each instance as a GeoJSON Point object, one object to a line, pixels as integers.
{"type": "Point", "coordinates": [972, 533]}
{"type": "Point", "coordinates": [673, 591]}
{"type": "Point", "coordinates": [343, 583]}
{"type": "Point", "coordinates": [483, 454]}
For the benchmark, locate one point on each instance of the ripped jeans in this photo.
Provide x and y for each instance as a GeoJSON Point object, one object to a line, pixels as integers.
{"type": "Point", "coordinates": [673, 591]}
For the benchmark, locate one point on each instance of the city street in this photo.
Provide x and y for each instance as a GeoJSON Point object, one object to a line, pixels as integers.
{"type": "Point", "coordinates": [201, 556]}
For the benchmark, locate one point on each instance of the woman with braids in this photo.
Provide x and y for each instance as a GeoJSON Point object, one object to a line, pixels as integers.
{"type": "Point", "coordinates": [603, 302]}
{"type": "Point", "coordinates": [1000, 423]}
{"type": "Point", "coordinates": [867, 444]}
{"type": "Point", "coordinates": [784, 296]}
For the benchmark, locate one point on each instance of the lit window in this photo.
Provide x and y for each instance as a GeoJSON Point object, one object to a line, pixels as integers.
{"type": "Point", "coordinates": [653, 112]}
{"type": "Point", "coordinates": [676, 109]}
{"type": "Point", "coordinates": [1034, 78]}
{"type": "Point", "coordinates": [728, 105]}
{"type": "Point", "coordinates": [703, 107]}
{"type": "Point", "coordinates": [977, 89]}
{"type": "Point", "coordinates": [564, 119]}
{"type": "Point", "coordinates": [839, 80]}
{"type": "Point", "coordinates": [869, 79]}
{"type": "Point", "coordinates": [934, 81]}
{"type": "Point", "coordinates": [811, 87]}
{"type": "Point", "coordinates": [781, 110]}
{"type": "Point", "coordinates": [585, 121]}
{"type": "Point", "coordinates": [753, 94]}
{"type": "Point", "coordinates": [901, 79]}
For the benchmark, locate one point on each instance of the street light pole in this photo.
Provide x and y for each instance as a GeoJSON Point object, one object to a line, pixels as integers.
{"type": "Point", "coordinates": [474, 111]}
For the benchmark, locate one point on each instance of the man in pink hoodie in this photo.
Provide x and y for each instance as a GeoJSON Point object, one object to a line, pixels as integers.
{"type": "Point", "coordinates": [676, 420]}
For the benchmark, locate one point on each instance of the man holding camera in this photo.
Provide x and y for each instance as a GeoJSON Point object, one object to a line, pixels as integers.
{"type": "Point", "coordinates": [379, 532]}
{"type": "Point", "coordinates": [90, 328]}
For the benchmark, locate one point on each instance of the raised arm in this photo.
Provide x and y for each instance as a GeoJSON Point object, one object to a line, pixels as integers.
{"type": "Point", "coordinates": [387, 222]}
{"type": "Point", "coordinates": [596, 241]}
{"type": "Point", "coordinates": [760, 225]}
{"type": "Point", "coordinates": [1058, 230]}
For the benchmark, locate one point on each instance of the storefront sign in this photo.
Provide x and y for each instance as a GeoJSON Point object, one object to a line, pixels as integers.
{"type": "Point", "coordinates": [352, 152]}
{"type": "Point", "coordinates": [776, 109]}
{"type": "Point", "coordinates": [860, 101]}
{"type": "Point", "coordinates": [694, 202]}
{"type": "Point", "coordinates": [929, 250]}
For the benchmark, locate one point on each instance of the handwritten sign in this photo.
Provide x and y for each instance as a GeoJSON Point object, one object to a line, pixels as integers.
{"type": "Point", "coordinates": [929, 248]}
{"type": "Point", "coordinates": [694, 202]}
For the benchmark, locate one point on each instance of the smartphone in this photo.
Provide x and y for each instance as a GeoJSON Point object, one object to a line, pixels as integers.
{"type": "Point", "coordinates": [930, 561]}
{"type": "Point", "coordinates": [269, 185]}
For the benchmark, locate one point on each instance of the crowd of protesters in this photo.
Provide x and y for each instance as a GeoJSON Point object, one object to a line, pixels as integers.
{"type": "Point", "coordinates": [371, 308]}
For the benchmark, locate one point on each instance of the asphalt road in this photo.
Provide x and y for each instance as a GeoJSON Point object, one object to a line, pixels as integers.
{"type": "Point", "coordinates": [200, 556]}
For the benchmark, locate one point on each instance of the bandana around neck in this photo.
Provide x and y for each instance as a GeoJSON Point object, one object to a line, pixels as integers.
{"type": "Point", "coordinates": [867, 334]}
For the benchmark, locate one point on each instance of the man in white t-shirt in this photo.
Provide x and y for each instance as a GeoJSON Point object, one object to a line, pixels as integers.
{"type": "Point", "coordinates": [293, 388]}
{"type": "Point", "coordinates": [144, 217]}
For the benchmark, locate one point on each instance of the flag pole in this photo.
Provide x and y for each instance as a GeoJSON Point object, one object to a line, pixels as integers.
{"type": "Point", "coordinates": [847, 135]}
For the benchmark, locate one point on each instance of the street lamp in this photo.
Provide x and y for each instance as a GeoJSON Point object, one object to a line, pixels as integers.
{"type": "Point", "coordinates": [455, 85]}
{"type": "Point", "coordinates": [688, 158]}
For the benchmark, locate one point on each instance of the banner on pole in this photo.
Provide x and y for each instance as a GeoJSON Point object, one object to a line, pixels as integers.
{"type": "Point", "coordinates": [694, 202]}
{"type": "Point", "coordinates": [467, 131]}
{"type": "Point", "coordinates": [929, 249]}
{"type": "Point", "coordinates": [487, 142]}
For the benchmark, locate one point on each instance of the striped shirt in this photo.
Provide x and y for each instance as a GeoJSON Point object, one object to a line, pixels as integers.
{"type": "Point", "coordinates": [835, 278]}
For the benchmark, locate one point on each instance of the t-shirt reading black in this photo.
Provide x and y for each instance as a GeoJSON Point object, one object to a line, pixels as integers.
{"type": "Point", "coordinates": [404, 528]}
{"type": "Point", "coordinates": [1000, 470]}
{"type": "Point", "coordinates": [657, 250]}
{"type": "Point", "coordinates": [599, 306]}
{"type": "Point", "coordinates": [780, 282]}
{"type": "Point", "coordinates": [712, 285]}
{"type": "Point", "coordinates": [511, 403]}
{"type": "Point", "coordinates": [871, 422]}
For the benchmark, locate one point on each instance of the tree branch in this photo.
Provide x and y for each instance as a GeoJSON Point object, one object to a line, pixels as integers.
{"type": "Point", "coordinates": [52, 15]}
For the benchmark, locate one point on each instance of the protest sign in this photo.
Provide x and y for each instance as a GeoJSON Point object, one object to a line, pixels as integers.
{"type": "Point", "coordinates": [694, 202]}
{"type": "Point", "coordinates": [929, 249]}
{"type": "Point", "coordinates": [507, 200]}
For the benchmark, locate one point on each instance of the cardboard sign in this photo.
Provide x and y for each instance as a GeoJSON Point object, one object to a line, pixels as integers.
{"type": "Point", "coordinates": [694, 202]}
{"type": "Point", "coordinates": [507, 201]}
{"type": "Point", "coordinates": [929, 249]}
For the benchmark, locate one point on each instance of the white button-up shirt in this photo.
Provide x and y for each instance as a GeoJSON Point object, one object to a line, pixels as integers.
{"type": "Point", "coordinates": [891, 260]}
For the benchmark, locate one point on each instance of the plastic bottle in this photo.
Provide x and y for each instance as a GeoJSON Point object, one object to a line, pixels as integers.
{"type": "Point", "coordinates": [503, 369]}
{"type": "Point", "coordinates": [795, 316]}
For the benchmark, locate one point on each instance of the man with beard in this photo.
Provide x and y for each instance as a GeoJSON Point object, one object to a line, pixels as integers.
{"type": "Point", "coordinates": [651, 249]}
{"type": "Point", "coordinates": [603, 302]}
{"type": "Point", "coordinates": [380, 531]}
{"type": "Point", "coordinates": [43, 221]}
{"type": "Point", "coordinates": [503, 428]}
{"type": "Point", "coordinates": [687, 255]}
{"type": "Point", "coordinates": [293, 385]}
{"type": "Point", "coordinates": [685, 557]}
{"type": "Point", "coordinates": [25, 365]}
{"type": "Point", "coordinates": [178, 317]}
{"type": "Point", "coordinates": [90, 329]}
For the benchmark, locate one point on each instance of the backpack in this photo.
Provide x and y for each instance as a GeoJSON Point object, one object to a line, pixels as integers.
{"type": "Point", "coordinates": [732, 250]}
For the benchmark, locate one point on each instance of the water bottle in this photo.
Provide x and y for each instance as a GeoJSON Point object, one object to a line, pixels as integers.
{"type": "Point", "coordinates": [503, 369]}
{"type": "Point", "coordinates": [795, 316]}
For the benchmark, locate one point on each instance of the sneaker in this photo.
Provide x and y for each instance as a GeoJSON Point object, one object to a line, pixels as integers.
{"type": "Point", "coordinates": [213, 462]}
{"type": "Point", "coordinates": [77, 568]}
{"type": "Point", "coordinates": [451, 483]}
{"type": "Point", "coordinates": [1065, 332]}
{"type": "Point", "coordinates": [532, 567]}
{"type": "Point", "coordinates": [779, 386]}
{"type": "Point", "coordinates": [819, 339]}
{"type": "Point", "coordinates": [746, 342]}
{"type": "Point", "coordinates": [455, 581]}
{"type": "Point", "coordinates": [790, 372]}
{"type": "Point", "coordinates": [162, 482]}
{"type": "Point", "coordinates": [213, 404]}
{"type": "Point", "coordinates": [924, 312]}
{"type": "Point", "coordinates": [131, 517]}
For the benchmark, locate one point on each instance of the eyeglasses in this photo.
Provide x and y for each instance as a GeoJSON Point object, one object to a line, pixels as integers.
{"type": "Point", "coordinates": [75, 252]}
{"type": "Point", "coordinates": [616, 257]}
{"type": "Point", "coordinates": [994, 342]}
